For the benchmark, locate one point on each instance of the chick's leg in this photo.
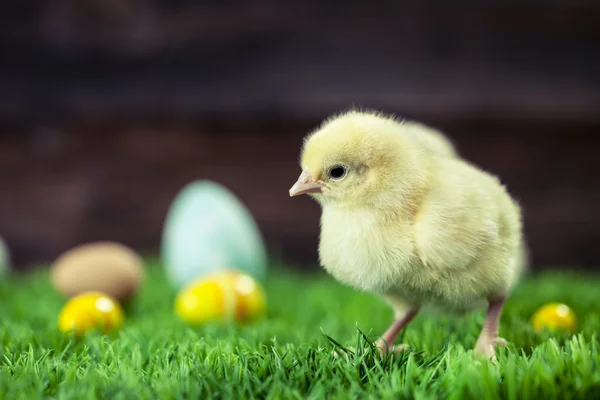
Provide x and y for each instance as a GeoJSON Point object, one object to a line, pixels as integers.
{"type": "Point", "coordinates": [386, 342]}
{"type": "Point", "coordinates": [403, 314]}
{"type": "Point", "coordinates": [488, 339]}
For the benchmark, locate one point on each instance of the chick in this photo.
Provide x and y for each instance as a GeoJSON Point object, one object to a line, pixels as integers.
{"type": "Point", "coordinates": [421, 228]}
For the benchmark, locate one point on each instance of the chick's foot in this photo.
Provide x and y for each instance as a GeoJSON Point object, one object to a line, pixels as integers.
{"type": "Point", "coordinates": [487, 346]}
{"type": "Point", "coordinates": [386, 343]}
{"type": "Point", "coordinates": [381, 348]}
{"type": "Point", "coordinates": [384, 349]}
{"type": "Point", "coordinates": [488, 339]}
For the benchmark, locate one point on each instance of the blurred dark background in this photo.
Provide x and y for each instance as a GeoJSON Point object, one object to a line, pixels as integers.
{"type": "Point", "coordinates": [109, 107]}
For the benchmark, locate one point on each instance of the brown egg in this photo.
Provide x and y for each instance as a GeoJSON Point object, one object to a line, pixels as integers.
{"type": "Point", "coordinates": [107, 267]}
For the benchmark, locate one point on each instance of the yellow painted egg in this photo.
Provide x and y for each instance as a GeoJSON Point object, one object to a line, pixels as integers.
{"type": "Point", "coordinates": [220, 297]}
{"type": "Point", "coordinates": [554, 316]}
{"type": "Point", "coordinates": [89, 311]}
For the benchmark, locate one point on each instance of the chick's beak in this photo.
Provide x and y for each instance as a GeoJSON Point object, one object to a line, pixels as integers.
{"type": "Point", "coordinates": [305, 184]}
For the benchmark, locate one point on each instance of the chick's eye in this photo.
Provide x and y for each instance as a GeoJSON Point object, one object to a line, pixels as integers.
{"type": "Point", "coordinates": [337, 172]}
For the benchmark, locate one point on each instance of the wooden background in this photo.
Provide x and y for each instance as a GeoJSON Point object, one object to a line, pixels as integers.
{"type": "Point", "coordinates": [108, 108]}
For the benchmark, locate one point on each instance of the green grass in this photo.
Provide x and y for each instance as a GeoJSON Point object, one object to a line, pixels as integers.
{"type": "Point", "coordinates": [288, 355]}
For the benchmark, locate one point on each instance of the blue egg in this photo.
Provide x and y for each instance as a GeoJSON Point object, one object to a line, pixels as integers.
{"type": "Point", "coordinates": [4, 258]}
{"type": "Point", "coordinates": [208, 229]}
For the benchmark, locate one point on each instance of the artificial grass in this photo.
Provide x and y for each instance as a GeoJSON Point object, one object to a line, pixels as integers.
{"type": "Point", "coordinates": [288, 355]}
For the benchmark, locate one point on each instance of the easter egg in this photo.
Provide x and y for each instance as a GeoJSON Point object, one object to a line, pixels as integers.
{"type": "Point", "coordinates": [4, 258]}
{"type": "Point", "coordinates": [208, 228]}
{"type": "Point", "coordinates": [106, 267]}
{"type": "Point", "coordinates": [554, 316]}
{"type": "Point", "coordinates": [89, 311]}
{"type": "Point", "coordinates": [228, 296]}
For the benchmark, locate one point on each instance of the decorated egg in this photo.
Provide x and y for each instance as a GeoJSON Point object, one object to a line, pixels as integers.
{"type": "Point", "coordinates": [208, 228]}
{"type": "Point", "coordinates": [554, 316]}
{"type": "Point", "coordinates": [227, 296]}
{"type": "Point", "coordinates": [106, 267]}
{"type": "Point", "coordinates": [4, 258]}
{"type": "Point", "coordinates": [89, 311]}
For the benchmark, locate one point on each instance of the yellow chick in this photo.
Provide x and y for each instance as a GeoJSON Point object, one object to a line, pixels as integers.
{"type": "Point", "coordinates": [418, 227]}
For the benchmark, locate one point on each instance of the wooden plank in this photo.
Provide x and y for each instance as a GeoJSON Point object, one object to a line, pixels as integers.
{"type": "Point", "coordinates": [503, 60]}
{"type": "Point", "coordinates": [64, 186]}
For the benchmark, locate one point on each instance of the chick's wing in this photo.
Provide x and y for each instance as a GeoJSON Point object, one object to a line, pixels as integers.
{"type": "Point", "coordinates": [459, 218]}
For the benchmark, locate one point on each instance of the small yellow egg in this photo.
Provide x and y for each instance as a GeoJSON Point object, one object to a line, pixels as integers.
{"type": "Point", "coordinates": [91, 310]}
{"type": "Point", "coordinates": [220, 297]}
{"type": "Point", "coordinates": [554, 316]}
